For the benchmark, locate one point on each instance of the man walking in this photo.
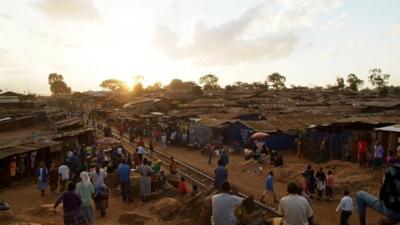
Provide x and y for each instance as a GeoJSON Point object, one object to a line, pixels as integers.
{"type": "Point", "coordinates": [63, 171]}
{"type": "Point", "coordinates": [294, 208]}
{"type": "Point", "coordinates": [221, 174]}
{"type": "Point", "coordinates": [123, 172]}
{"type": "Point", "coordinates": [223, 206]}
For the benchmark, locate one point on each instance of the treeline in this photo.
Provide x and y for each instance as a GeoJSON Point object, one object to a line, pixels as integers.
{"type": "Point", "coordinates": [352, 82]}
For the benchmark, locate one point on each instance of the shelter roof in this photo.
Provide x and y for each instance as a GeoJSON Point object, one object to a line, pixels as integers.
{"type": "Point", "coordinates": [393, 128]}
{"type": "Point", "coordinates": [392, 116]}
{"type": "Point", "coordinates": [23, 147]}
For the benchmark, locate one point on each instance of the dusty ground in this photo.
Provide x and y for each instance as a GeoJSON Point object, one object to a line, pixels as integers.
{"type": "Point", "coordinates": [347, 175]}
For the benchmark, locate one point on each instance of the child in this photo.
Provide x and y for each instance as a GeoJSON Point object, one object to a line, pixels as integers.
{"type": "Point", "coordinates": [346, 206]}
{"type": "Point", "coordinates": [161, 182]}
{"type": "Point", "coordinates": [329, 186]}
{"type": "Point", "coordinates": [321, 179]}
{"type": "Point", "coordinates": [269, 187]}
{"type": "Point", "coordinates": [195, 190]}
{"type": "Point", "coordinates": [182, 186]}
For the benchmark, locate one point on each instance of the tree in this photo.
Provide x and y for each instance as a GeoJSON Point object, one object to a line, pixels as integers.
{"type": "Point", "coordinates": [377, 79]}
{"type": "Point", "coordinates": [340, 83]}
{"type": "Point", "coordinates": [137, 89]}
{"type": "Point", "coordinates": [354, 82]}
{"type": "Point", "coordinates": [277, 80]}
{"type": "Point", "coordinates": [153, 88]}
{"type": "Point", "coordinates": [196, 91]}
{"type": "Point", "coordinates": [209, 82]}
{"type": "Point", "coordinates": [175, 84]}
{"type": "Point", "coordinates": [114, 85]}
{"type": "Point", "coordinates": [57, 85]}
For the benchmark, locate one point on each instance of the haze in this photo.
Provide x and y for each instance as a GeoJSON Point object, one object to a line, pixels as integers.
{"type": "Point", "coordinates": [311, 42]}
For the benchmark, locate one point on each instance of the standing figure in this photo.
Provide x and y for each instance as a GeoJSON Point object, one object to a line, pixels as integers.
{"type": "Point", "coordinates": [224, 158]}
{"type": "Point", "coordinates": [330, 182]}
{"type": "Point", "coordinates": [221, 175]}
{"type": "Point", "coordinates": [269, 187]}
{"type": "Point", "coordinates": [123, 172]}
{"type": "Point", "coordinates": [378, 155]}
{"type": "Point", "coordinates": [362, 152]}
{"type": "Point", "coordinates": [321, 183]}
{"type": "Point", "coordinates": [300, 146]}
{"type": "Point", "coordinates": [63, 172]}
{"type": "Point", "coordinates": [161, 179]}
{"type": "Point", "coordinates": [182, 186]}
{"type": "Point", "coordinates": [346, 207]}
{"type": "Point", "coordinates": [71, 206]}
{"type": "Point", "coordinates": [53, 178]}
{"type": "Point", "coordinates": [42, 175]}
{"type": "Point", "coordinates": [85, 190]}
{"type": "Point", "coordinates": [163, 141]}
{"type": "Point", "coordinates": [172, 166]}
{"type": "Point", "coordinates": [224, 205]}
{"type": "Point", "coordinates": [145, 172]}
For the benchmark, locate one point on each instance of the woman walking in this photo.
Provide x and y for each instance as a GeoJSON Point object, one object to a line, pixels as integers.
{"type": "Point", "coordinates": [42, 174]}
{"type": "Point", "coordinates": [53, 178]}
{"type": "Point", "coordinates": [85, 190]}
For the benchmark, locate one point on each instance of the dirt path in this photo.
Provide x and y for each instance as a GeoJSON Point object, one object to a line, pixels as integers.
{"type": "Point", "coordinates": [253, 184]}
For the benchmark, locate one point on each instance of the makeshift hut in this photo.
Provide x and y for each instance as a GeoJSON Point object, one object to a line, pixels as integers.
{"type": "Point", "coordinates": [389, 136]}
{"type": "Point", "coordinates": [204, 130]}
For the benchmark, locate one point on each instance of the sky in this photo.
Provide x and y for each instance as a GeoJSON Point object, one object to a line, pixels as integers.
{"type": "Point", "coordinates": [310, 42]}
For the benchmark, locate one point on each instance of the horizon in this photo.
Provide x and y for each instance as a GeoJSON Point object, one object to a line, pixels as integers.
{"type": "Point", "coordinates": [310, 42]}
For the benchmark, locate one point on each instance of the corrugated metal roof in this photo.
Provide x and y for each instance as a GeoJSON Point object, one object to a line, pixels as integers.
{"type": "Point", "coordinates": [373, 118]}
{"type": "Point", "coordinates": [393, 128]}
{"type": "Point", "coordinates": [26, 147]}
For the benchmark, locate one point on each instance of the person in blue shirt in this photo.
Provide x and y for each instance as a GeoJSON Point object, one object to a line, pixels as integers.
{"type": "Point", "coordinates": [221, 174]}
{"type": "Point", "coordinates": [123, 172]}
{"type": "Point", "coordinates": [269, 187]}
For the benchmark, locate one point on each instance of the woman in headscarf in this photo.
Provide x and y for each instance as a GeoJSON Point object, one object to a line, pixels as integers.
{"type": "Point", "coordinates": [145, 172]}
{"type": "Point", "coordinates": [53, 178]}
{"type": "Point", "coordinates": [42, 174]}
{"type": "Point", "coordinates": [85, 190]}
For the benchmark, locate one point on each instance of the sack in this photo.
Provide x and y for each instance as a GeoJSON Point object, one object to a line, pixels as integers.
{"type": "Point", "coordinates": [390, 189]}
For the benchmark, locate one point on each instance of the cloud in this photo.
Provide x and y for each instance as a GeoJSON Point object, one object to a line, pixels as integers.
{"type": "Point", "coordinates": [395, 29]}
{"type": "Point", "coordinates": [335, 23]}
{"type": "Point", "coordinates": [5, 16]}
{"type": "Point", "coordinates": [256, 35]}
{"type": "Point", "coordinates": [73, 10]}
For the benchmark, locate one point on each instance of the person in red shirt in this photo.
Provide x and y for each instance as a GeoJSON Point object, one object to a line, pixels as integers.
{"type": "Point", "coordinates": [362, 152]}
{"type": "Point", "coordinates": [182, 186]}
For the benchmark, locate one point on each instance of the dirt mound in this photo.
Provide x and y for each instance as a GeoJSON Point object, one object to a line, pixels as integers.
{"type": "Point", "coordinates": [347, 175]}
{"type": "Point", "coordinates": [7, 215]}
{"type": "Point", "coordinates": [167, 208]}
{"type": "Point", "coordinates": [45, 210]}
{"type": "Point", "coordinates": [199, 208]}
{"type": "Point", "coordinates": [132, 219]}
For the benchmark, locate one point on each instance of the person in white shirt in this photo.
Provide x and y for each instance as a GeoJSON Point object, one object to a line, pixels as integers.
{"type": "Point", "coordinates": [140, 153]}
{"type": "Point", "coordinates": [223, 206]}
{"type": "Point", "coordinates": [294, 208]}
{"type": "Point", "coordinates": [97, 177]}
{"type": "Point", "coordinates": [346, 207]}
{"type": "Point", "coordinates": [63, 171]}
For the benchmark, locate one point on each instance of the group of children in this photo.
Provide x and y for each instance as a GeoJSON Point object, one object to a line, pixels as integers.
{"type": "Point", "coordinates": [323, 183]}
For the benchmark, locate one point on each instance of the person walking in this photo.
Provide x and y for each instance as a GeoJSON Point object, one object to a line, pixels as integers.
{"type": "Point", "coordinates": [224, 205]}
{"type": "Point", "coordinates": [163, 140]}
{"type": "Point", "coordinates": [123, 172]}
{"type": "Point", "coordinates": [140, 153]}
{"type": "Point", "coordinates": [85, 190]}
{"type": "Point", "coordinates": [161, 179]}
{"type": "Point", "coordinates": [362, 152]}
{"type": "Point", "coordinates": [221, 175]}
{"type": "Point", "coordinates": [224, 158]}
{"type": "Point", "coordinates": [269, 187]}
{"type": "Point", "coordinates": [145, 172]}
{"type": "Point", "coordinates": [211, 151]}
{"type": "Point", "coordinates": [294, 208]}
{"type": "Point", "coordinates": [321, 183]}
{"type": "Point", "coordinates": [378, 155]}
{"type": "Point", "coordinates": [63, 172]}
{"type": "Point", "coordinates": [42, 174]}
{"type": "Point", "coordinates": [300, 148]}
{"type": "Point", "coordinates": [330, 182]}
{"type": "Point", "coordinates": [346, 207]}
{"type": "Point", "coordinates": [172, 166]}
{"type": "Point", "coordinates": [71, 206]}
{"type": "Point", "coordinates": [182, 186]}
{"type": "Point", "coordinates": [53, 178]}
